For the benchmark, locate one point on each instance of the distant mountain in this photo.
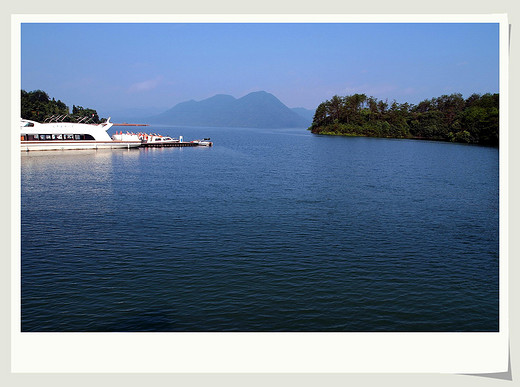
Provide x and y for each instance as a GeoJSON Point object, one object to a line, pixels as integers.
{"type": "Point", "coordinates": [305, 113]}
{"type": "Point", "coordinates": [255, 110]}
{"type": "Point", "coordinates": [131, 115]}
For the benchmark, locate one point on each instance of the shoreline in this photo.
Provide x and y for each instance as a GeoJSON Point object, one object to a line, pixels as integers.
{"type": "Point", "coordinates": [400, 138]}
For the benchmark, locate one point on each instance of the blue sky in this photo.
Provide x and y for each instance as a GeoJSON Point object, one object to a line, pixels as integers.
{"type": "Point", "coordinates": [114, 67]}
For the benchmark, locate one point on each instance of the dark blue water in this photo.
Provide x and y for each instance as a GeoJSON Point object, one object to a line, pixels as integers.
{"type": "Point", "coordinates": [269, 230]}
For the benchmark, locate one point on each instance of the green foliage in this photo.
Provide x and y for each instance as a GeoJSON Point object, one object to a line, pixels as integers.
{"type": "Point", "coordinates": [38, 106]}
{"type": "Point", "coordinates": [80, 112]}
{"type": "Point", "coordinates": [446, 118]}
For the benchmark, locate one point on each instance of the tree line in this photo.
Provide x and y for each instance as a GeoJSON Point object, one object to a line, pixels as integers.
{"type": "Point", "coordinates": [447, 118]}
{"type": "Point", "coordinates": [38, 106]}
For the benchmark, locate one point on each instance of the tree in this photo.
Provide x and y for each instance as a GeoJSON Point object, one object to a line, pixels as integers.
{"type": "Point", "coordinates": [38, 106]}
{"type": "Point", "coordinates": [334, 107]}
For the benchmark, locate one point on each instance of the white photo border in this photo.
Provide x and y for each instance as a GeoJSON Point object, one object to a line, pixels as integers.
{"type": "Point", "coordinates": [259, 352]}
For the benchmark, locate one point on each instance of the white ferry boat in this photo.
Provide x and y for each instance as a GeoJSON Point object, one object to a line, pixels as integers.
{"type": "Point", "coordinates": [69, 135]}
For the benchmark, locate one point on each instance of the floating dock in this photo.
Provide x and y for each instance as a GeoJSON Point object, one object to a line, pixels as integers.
{"type": "Point", "coordinates": [154, 140]}
{"type": "Point", "coordinates": [167, 144]}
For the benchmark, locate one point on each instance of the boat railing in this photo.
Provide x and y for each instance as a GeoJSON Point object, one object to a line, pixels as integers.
{"type": "Point", "coordinates": [49, 119]}
{"type": "Point", "coordinates": [74, 119]}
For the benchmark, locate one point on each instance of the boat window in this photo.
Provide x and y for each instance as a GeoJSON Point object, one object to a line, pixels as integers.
{"type": "Point", "coordinates": [68, 136]}
{"type": "Point", "coordinates": [77, 137]}
{"type": "Point", "coordinates": [89, 137]}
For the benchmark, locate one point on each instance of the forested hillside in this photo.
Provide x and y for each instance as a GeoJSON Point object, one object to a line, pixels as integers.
{"type": "Point", "coordinates": [447, 118]}
{"type": "Point", "coordinates": [38, 106]}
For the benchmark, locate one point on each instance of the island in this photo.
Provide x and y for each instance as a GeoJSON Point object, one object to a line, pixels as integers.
{"type": "Point", "coordinates": [474, 120]}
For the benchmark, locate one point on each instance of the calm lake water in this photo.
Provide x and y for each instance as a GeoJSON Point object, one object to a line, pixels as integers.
{"type": "Point", "coordinates": [268, 230]}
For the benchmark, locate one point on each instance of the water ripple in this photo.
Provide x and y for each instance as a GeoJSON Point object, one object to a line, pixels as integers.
{"type": "Point", "coordinates": [268, 233]}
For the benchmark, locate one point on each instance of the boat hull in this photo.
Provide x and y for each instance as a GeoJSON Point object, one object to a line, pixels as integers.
{"type": "Point", "coordinates": [27, 146]}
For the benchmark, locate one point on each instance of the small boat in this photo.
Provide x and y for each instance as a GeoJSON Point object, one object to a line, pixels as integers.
{"type": "Point", "coordinates": [59, 135]}
{"type": "Point", "coordinates": [204, 142]}
{"type": "Point", "coordinates": [157, 140]}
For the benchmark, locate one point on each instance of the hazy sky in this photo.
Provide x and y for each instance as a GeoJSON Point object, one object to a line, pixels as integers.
{"type": "Point", "coordinates": [140, 66]}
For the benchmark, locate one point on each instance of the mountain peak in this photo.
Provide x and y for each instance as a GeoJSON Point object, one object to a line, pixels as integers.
{"type": "Point", "coordinates": [221, 97]}
{"type": "Point", "coordinates": [261, 94]}
{"type": "Point", "coordinates": [258, 109]}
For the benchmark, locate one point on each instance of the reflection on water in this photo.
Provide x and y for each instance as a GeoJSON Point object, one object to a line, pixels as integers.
{"type": "Point", "coordinates": [64, 155]}
{"type": "Point", "coordinates": [66, 176]}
